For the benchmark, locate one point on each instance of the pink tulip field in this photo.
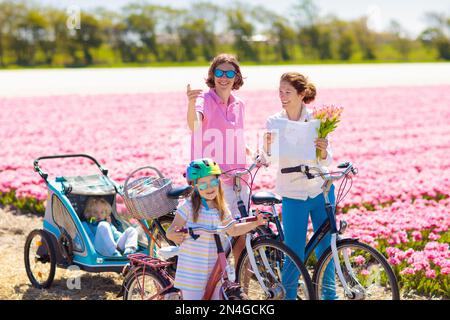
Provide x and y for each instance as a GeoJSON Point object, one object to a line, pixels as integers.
{"type": "Point", "coordinates": [397, 137]}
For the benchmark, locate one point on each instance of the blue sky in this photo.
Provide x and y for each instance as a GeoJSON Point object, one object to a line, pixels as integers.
{"type": "Point", "coordinates": [381, 12]}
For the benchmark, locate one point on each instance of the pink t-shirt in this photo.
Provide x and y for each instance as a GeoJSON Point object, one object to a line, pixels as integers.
{"type": "Point", "coordinates": [222, 131]}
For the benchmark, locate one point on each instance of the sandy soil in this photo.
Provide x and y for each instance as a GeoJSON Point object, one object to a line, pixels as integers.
{"type": "Point", "coordinates": [14, 283]}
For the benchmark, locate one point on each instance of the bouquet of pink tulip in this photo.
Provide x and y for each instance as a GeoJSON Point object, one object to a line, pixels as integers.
{"type": "Point", "coordinates": [329, 117]}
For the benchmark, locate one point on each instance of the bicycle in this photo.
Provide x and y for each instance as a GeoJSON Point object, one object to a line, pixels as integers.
{"type": "Point", "coordinates": [261, 264]}
{"type": "Point", "coordinates": [362, 271]}
{"type": "Point", "coordinates": [147, 278]}
{"type": "Point", "coordinates": [268, 255]}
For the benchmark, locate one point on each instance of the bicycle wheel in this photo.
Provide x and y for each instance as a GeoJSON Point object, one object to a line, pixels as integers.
{"type": "Point", "coordinates": [232, 291]}
{"type": "Point", "coordinates": [366, 271]}
{"type": "Point", "coordinates": [280, 270]}
{"type": "Point", "coordinates": [145, 284]}
{"type": "Point", "coordinates": [40, 259]}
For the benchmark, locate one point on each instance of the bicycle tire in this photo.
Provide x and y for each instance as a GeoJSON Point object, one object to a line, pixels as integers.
{"type": "Point", "coordinates": [49, 257]}
{"type": "Point", "coordinates": [260, 243]}
{"type": "Point", "coordinates": [233, 292]}
{"type": "Point", "coordinates": [349, 243]}
{"type": "Point", "coordinates": [133, 282]}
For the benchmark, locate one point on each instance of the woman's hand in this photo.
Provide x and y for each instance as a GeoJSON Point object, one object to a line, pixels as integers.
{"type": "Point", "coordinates": [322, 145]}
{"type": "Point", "coordinates": [192, 94]}
{"type": "Point", "coordinates": [267, 141]}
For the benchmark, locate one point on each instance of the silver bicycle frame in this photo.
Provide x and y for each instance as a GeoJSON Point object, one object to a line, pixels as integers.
{"type": "Point", "coordinates": [237, 189]}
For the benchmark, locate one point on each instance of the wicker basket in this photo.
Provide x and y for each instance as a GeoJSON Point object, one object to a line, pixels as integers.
{"type": "Point", "coordinates": [146, 197]}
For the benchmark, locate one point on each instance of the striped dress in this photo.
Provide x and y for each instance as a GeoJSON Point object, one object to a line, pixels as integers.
{"type": "Point", "coordinates": [197, 258]}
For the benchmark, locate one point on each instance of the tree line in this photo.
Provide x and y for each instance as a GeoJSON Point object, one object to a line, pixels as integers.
{"type": "Point", "coordinates": [144, 33]}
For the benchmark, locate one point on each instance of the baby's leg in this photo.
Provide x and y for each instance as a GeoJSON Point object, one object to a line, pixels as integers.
{"type": "Point", "coordinates": [129, 239]}
{"type": "Point", "coordinates": [104, 241]}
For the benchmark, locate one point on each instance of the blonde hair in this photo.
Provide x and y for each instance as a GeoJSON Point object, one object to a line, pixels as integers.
{"type": "Point", "coordinates": [301, 85]}
{"type": "Point", "coordinates": [219, 201]}
{"type": "Point", "coordinates": [94, 203]}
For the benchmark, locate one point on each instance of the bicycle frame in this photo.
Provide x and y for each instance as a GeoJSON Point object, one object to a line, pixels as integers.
{"type": "Point", "coordinates": [219, 271]}
{"type": "Point", "coordinates": [237, 187]}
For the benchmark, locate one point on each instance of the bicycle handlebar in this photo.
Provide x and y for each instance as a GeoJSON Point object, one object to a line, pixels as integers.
{"type": "Point", "coordinates": [324, 175]}
{"type": "Point", "coordinates": [243, 171]}
{"type": "Point", "coordinates": [44, 174]}
{"type": "Point", "coordinates": [216, 230]}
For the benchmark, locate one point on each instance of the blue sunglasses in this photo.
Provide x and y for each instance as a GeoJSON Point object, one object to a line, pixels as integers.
{"type": "Point", "coordinates": [229, 73]}
{"type": "Point", "coordinates": [213, 183]}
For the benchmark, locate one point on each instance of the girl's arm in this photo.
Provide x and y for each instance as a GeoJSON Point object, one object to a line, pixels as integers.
{"type": "Point", "coordinates": [245, 227]}
{"type": "Point", "coordinates": [177, 223]}
{"type": "Point", "coordinates": [193, 116]}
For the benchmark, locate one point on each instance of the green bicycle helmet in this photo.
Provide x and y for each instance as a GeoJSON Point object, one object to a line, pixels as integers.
{"type": "Point", "coordinates": [202, 168]}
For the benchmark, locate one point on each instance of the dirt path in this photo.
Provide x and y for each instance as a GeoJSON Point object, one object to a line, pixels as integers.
{"type": "Point", "coordinates": [14, 283]}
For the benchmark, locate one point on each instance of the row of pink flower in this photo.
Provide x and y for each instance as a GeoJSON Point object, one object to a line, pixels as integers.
{"type": "Point", "coordinates": [402, 224]}
{"type": "Point", "coordinates": [397, 137]}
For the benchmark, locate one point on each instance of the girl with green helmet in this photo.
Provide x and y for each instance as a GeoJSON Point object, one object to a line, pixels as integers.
{"type": "Point", "coordinates": [206, 207]}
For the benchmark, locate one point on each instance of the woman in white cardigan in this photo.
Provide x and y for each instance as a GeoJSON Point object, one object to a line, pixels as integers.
{"type": "Point", "coordinates": [301, 197]}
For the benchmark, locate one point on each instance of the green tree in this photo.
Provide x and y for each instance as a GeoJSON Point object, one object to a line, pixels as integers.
{"type": "Point", "coordinates": [88, 37]}
{"type": "Point", "coordinates": [112, 26]}
{"type": "Point", "coordinates": [195, 36]}
{"type": "Point", "coordinates": [281, 37]}
{"type": "Point", "coordinates": [243, 32]}
{"type": "Point", "coordinates": [7, 27]}
{"type": "Point", "coordinates": [306, 17]}
{"type": "Point", "coordinates": [400, 40]}
{"type": "Point", "coordinates": [343, 39]}
{"type": "Point", "coordinates": [437, 34]}
{"type": "Point", "coordinates": [285, 39]}
{"type": "Point", "coordinates": [170, 20]}
{"type": "Point", "coordinates": [325, 42]}
{"type": "Point", "coordinates": [366, 39]}
{"type": "Point", "coordinates": [141, 24]}
{"type": "Point", "coordinates": [345, 44]}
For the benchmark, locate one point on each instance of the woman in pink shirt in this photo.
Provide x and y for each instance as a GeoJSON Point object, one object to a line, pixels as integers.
{"type": "Point", "coordinates": [216, 120]}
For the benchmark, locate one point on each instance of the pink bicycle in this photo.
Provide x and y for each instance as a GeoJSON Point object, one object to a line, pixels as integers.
{"type": "Point", "coordinates": [148, 278]}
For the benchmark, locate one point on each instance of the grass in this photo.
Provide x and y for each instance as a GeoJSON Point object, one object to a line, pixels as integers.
{"type": "Point", "coordinates": [206, 64]}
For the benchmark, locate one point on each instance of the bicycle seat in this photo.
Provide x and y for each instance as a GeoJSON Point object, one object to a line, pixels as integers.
{"type": "Point", "coordinates": [179, 192]}
{"type": "Point", "coordinates": [266, 198]}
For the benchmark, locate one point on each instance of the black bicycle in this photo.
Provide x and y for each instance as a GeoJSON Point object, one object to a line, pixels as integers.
{"type": "Point", "coordinates": [359, 271]}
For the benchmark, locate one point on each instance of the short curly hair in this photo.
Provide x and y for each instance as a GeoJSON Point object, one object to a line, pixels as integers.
{"type": "Point", "coordinates": [225, 58]}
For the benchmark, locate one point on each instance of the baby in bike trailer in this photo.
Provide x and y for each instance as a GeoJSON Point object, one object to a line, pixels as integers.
{"type": "Point", "coordinates": [107, 240]}
{"type": "Point", "coordinates": [207, 208]}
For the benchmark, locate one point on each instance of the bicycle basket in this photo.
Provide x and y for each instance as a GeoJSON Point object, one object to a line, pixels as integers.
{"type": "Point", "coordinates": [146, 197]}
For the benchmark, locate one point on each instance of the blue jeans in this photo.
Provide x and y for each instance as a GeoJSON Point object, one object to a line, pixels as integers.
{"type": "Point", "coordinates": [295, 226]}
